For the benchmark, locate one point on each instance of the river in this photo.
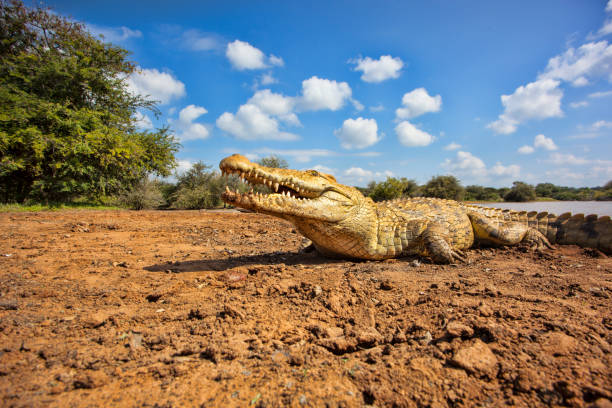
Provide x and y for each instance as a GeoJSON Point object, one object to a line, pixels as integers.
{"type": "Point", "coordinates": [558, 207]}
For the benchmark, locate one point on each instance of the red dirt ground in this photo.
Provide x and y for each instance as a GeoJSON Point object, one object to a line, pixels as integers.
{"type": "Point", "coordinates": [170, 309]}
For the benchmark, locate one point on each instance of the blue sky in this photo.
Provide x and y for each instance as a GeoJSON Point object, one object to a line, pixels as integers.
{"type": "Point", "coordinates": [488, 91]}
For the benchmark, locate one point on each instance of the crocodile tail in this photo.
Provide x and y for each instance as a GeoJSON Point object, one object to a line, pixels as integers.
{"type": "Point", "coordinates": [586, 231]}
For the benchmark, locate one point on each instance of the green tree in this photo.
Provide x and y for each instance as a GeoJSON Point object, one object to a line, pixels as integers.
{"type": "Point", "coordinates": [197, 188]}
{"type": "Point", "coordinates": [274, 162]}
{"type": "Point", "coordinates": [392, 188]}
{"type": "Point", "coordinates": [67, 125]}
{"type": "Point", "coordinates": [520, 192]}
{"type": "Point", "coordinates": [443, 187]}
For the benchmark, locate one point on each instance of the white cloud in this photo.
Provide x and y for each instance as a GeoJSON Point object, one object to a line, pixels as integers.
{"type": "Point", "coordinates": [142, 121]}
{"type": "Point", "coordinates": [579, 104]}
{"type": "Point", "coordinates": [196, 40]}
{"type": "Point", "coordinates": [276, 105]}
{"type": "Point", "coordinates": [357, 105]}
{"type": "Point", "coordinates": [452, 146]}
{"type": "Point", "coordinates": [605, 29]}
{"type": "Point", "coordinates": [601, 124]}
{"type": "Point", "coordinates": [251, 123]}
{"type": "Point", "coordinates": [609, 6]}
{"type": "Point", "coordinates": [465, 163]}
{"type": "Point", "coordinates": [567, 159]}
{"type": "Point", "coordinates": [268, 79]}
{"type": "Point", "coordinates": [114, 34]}
{"type": "Point", "coordinates": [386, 67]}
{"type": "Point", "coordinates": [276, 61]}
{"type": "Point", "coordinates": [185, 126]}
{"type": "Point", "coordinates": [319, 93]}
{"type": "Point", "coordinates": [357, 175]}
{"type": "Point", "coordinates": [243, 56]}
{"type": "Point", "coordinates": [183, 166]}
{"type": "Point", "coordinates": [160, 86]}
{"type": "Point", "coordinates": [409, 135]}
{"type": "Point", "coordinates": [323, 169]}
{"type": "Point", "coordinates": [600, 94]}
{"type": "Point", "coordinates": [377, 108]}
{"type": "Point", "coordinates": [503, 125]}
{"type": "Point", "coordinates": [592, 59]}
{"type": "Point", "coordinates": [544, 142]}
{"type": "Point", "coordinates": [417, 103]}
{"type": "Point", "coordinates": [511, 170]}
{"type": "Point", "coordinates": [358, 133]}
{"type": "Point", "coordinates": [526, 149]}
{"type": "Point", "coordinates": [536, 100]}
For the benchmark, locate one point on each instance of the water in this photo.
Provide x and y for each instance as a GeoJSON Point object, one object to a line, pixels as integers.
{"type": "Point", "coordinates": [559, 207]}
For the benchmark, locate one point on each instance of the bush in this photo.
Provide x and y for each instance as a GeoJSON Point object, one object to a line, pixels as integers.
{"type": "Point", "coordinates": [443, 187]}
{"type": "Point", "coordinates": [520, 192]}
{"type": "Point", "coordinates": [145, 195]}
{"type": "Point", "coordinates": [392, 188]}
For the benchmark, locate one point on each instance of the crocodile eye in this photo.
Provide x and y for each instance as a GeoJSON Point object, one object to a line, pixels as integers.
{"type": "Point", "coordinates": [313, 172]}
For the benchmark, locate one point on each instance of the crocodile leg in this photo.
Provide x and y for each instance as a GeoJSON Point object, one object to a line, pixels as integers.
{"type": "Point", "coordinates": [497, 232]}
{"type": "Point", "coordinates": [436, 240]}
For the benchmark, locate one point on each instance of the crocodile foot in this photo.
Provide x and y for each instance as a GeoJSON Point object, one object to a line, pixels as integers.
{"type": "Point", "coordinates": [536, 240]}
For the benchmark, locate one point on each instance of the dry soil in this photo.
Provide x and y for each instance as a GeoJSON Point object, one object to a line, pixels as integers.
{"type": "Point", "coordinates": [171, 309]}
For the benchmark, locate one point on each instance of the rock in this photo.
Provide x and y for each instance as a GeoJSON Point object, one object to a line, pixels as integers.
{"type": "Point", "coordinates": [425, 339]}
{"type": "Point", "coordinates": [316, 291]}
{"type": "Point", "coordinates": [339, 345]}
{"type": "Point", "coordinates": [458, 329]}
{"type": "Point", "coordinates": [527, 380]}
{"type": "Point", "coordinates": [476, 358]}
{"type": "Point", "coordinates": [333, 331]}
{"type": "Point", "coordinates": [135, 340]}
{"type": "Point", "coordinates": [8, 304]}
{"type": "Point", "coordinates": [558, 344]}
{"type": "Point", "coordinates": [368, 337]}
{"type": "Point", "coordinates": [601, 403]}
{"type": "Point", "coordinates": [95, 320]}
{"type": "Point", "coordinates": [91, 379]}
{"type": "Point", "coordinates": [485, 310]}
{"type": "Point", "coordinates": [386, 285]}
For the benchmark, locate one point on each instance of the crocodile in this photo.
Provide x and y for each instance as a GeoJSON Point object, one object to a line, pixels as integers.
{"type": "Point", "coordinates": [341, 222]}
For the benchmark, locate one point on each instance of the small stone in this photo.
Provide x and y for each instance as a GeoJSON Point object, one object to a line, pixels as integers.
{"type": "Point", "coordinates": [559, 344]}
{"type": "Point", "coordinates": [386, 285]}
{"type": "Point", "coordinates": [476, 358]}
{"type": "Point", "coordinates": [458, 329]}
{"type": "Point", "coordinates": [303, 400]}
{"type": "Point", "coordinates": [368, 337]}
{"type": "Point", "coordinates": [316, 291]}
{"type": "Point", "coordinates": [95, 320]}
{"type": "Point", "coordinates": [528, 380]}
{"type": "Point", "coordinates": [8, 304]}
{"type": "Point", "coordinates": [415, 263]}
{"type": "Point", "coordinates": [425, 339]}
{"type": "Point", "coordinates": [485, 310]}
{"type": "Point", "coordinates": [92, 379]}
{"type": "Point", "coordinates": [601, 403]}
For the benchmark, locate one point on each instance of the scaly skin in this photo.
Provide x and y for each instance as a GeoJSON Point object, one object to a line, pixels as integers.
{"type": "Point", "coordinates": [341, 222]}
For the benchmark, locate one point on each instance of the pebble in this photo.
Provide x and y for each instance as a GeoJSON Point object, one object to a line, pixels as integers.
{"type": "Point", "coordinates": [95, 320]}
{"type": "Point", "coordinates": [485, 310]}
{"type": "Point", "coordinates": [476, 358]}
{"type": "Point", "coordinates": [426, 339]}
{"type": "Point", "coordinates": [458, 329]}
{"type": "Point", "coordinates": [559, 344]}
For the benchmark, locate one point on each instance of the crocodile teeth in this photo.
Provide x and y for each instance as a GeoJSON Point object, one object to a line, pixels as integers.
{"type": "Point", "coordinates": [276, 187]}
{"type": "Point", "coordinates": [227, 190]}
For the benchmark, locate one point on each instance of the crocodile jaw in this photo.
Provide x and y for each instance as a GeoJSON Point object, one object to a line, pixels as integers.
{"type": "Point", "coordinates": [302, 194]}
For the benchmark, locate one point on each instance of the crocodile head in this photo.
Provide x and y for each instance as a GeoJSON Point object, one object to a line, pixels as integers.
{"type": "Point", "coordinates": [295, 194]}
